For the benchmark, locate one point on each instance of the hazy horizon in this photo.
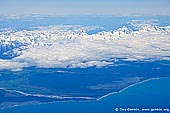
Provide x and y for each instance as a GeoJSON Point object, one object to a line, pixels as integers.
{"type": "Point", "coordinates": [79, 7]}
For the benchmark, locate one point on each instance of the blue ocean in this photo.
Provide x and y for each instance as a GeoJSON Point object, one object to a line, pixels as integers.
{"type": "Point", "coordinates": [84, 64]}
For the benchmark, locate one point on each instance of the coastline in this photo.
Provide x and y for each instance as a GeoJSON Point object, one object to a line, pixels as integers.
{"type": "Point", "coordinates": [142, 99]}
{"type": "Point", "coordinates": [129, 87]}
{"type": "Point", "coordinates": [89, 98]}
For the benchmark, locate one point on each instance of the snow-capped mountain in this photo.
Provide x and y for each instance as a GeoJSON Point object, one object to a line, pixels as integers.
{"type": "Point", "coordinates": [50, 46]}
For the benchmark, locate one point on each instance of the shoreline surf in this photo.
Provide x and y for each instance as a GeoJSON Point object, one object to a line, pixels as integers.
{"type": "Point", "coordinates": [88, 98]}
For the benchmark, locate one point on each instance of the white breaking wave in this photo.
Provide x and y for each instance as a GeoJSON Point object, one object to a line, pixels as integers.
{"type": "Point", "coordinates": [46, 96]}
{"type": "Point", "coordinates": [71, 46]}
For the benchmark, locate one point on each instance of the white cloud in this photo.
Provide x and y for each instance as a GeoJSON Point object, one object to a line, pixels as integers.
{"type": "Point", "coordinates": [12, 65]}
{"type": "Point", "coordinates": [71, 46]}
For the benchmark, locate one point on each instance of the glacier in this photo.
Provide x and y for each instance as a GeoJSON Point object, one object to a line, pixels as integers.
{"type": "Point", "coordinates": [70, 46]}
{"type": "Point", "coordinates": [43, 60]}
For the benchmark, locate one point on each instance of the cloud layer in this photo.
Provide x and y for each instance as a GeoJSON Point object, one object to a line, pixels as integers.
{"type": "Point", "coordinates": [71, 46]}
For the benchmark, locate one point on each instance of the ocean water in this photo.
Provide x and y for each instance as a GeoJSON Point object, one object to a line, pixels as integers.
{"type": "Point", "coordinates": [149, 96]}
{"type": "Point", "coordinates": [42, 72]}
{"type": "Point", "coordinates": [84, 86]}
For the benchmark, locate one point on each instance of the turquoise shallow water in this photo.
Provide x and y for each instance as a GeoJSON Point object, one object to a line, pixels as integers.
{"type": "Point", "coordinates": [152, 94]}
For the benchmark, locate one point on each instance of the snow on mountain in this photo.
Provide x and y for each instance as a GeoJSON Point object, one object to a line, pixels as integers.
{"type": "Point", "coordinates": [71, 46]}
